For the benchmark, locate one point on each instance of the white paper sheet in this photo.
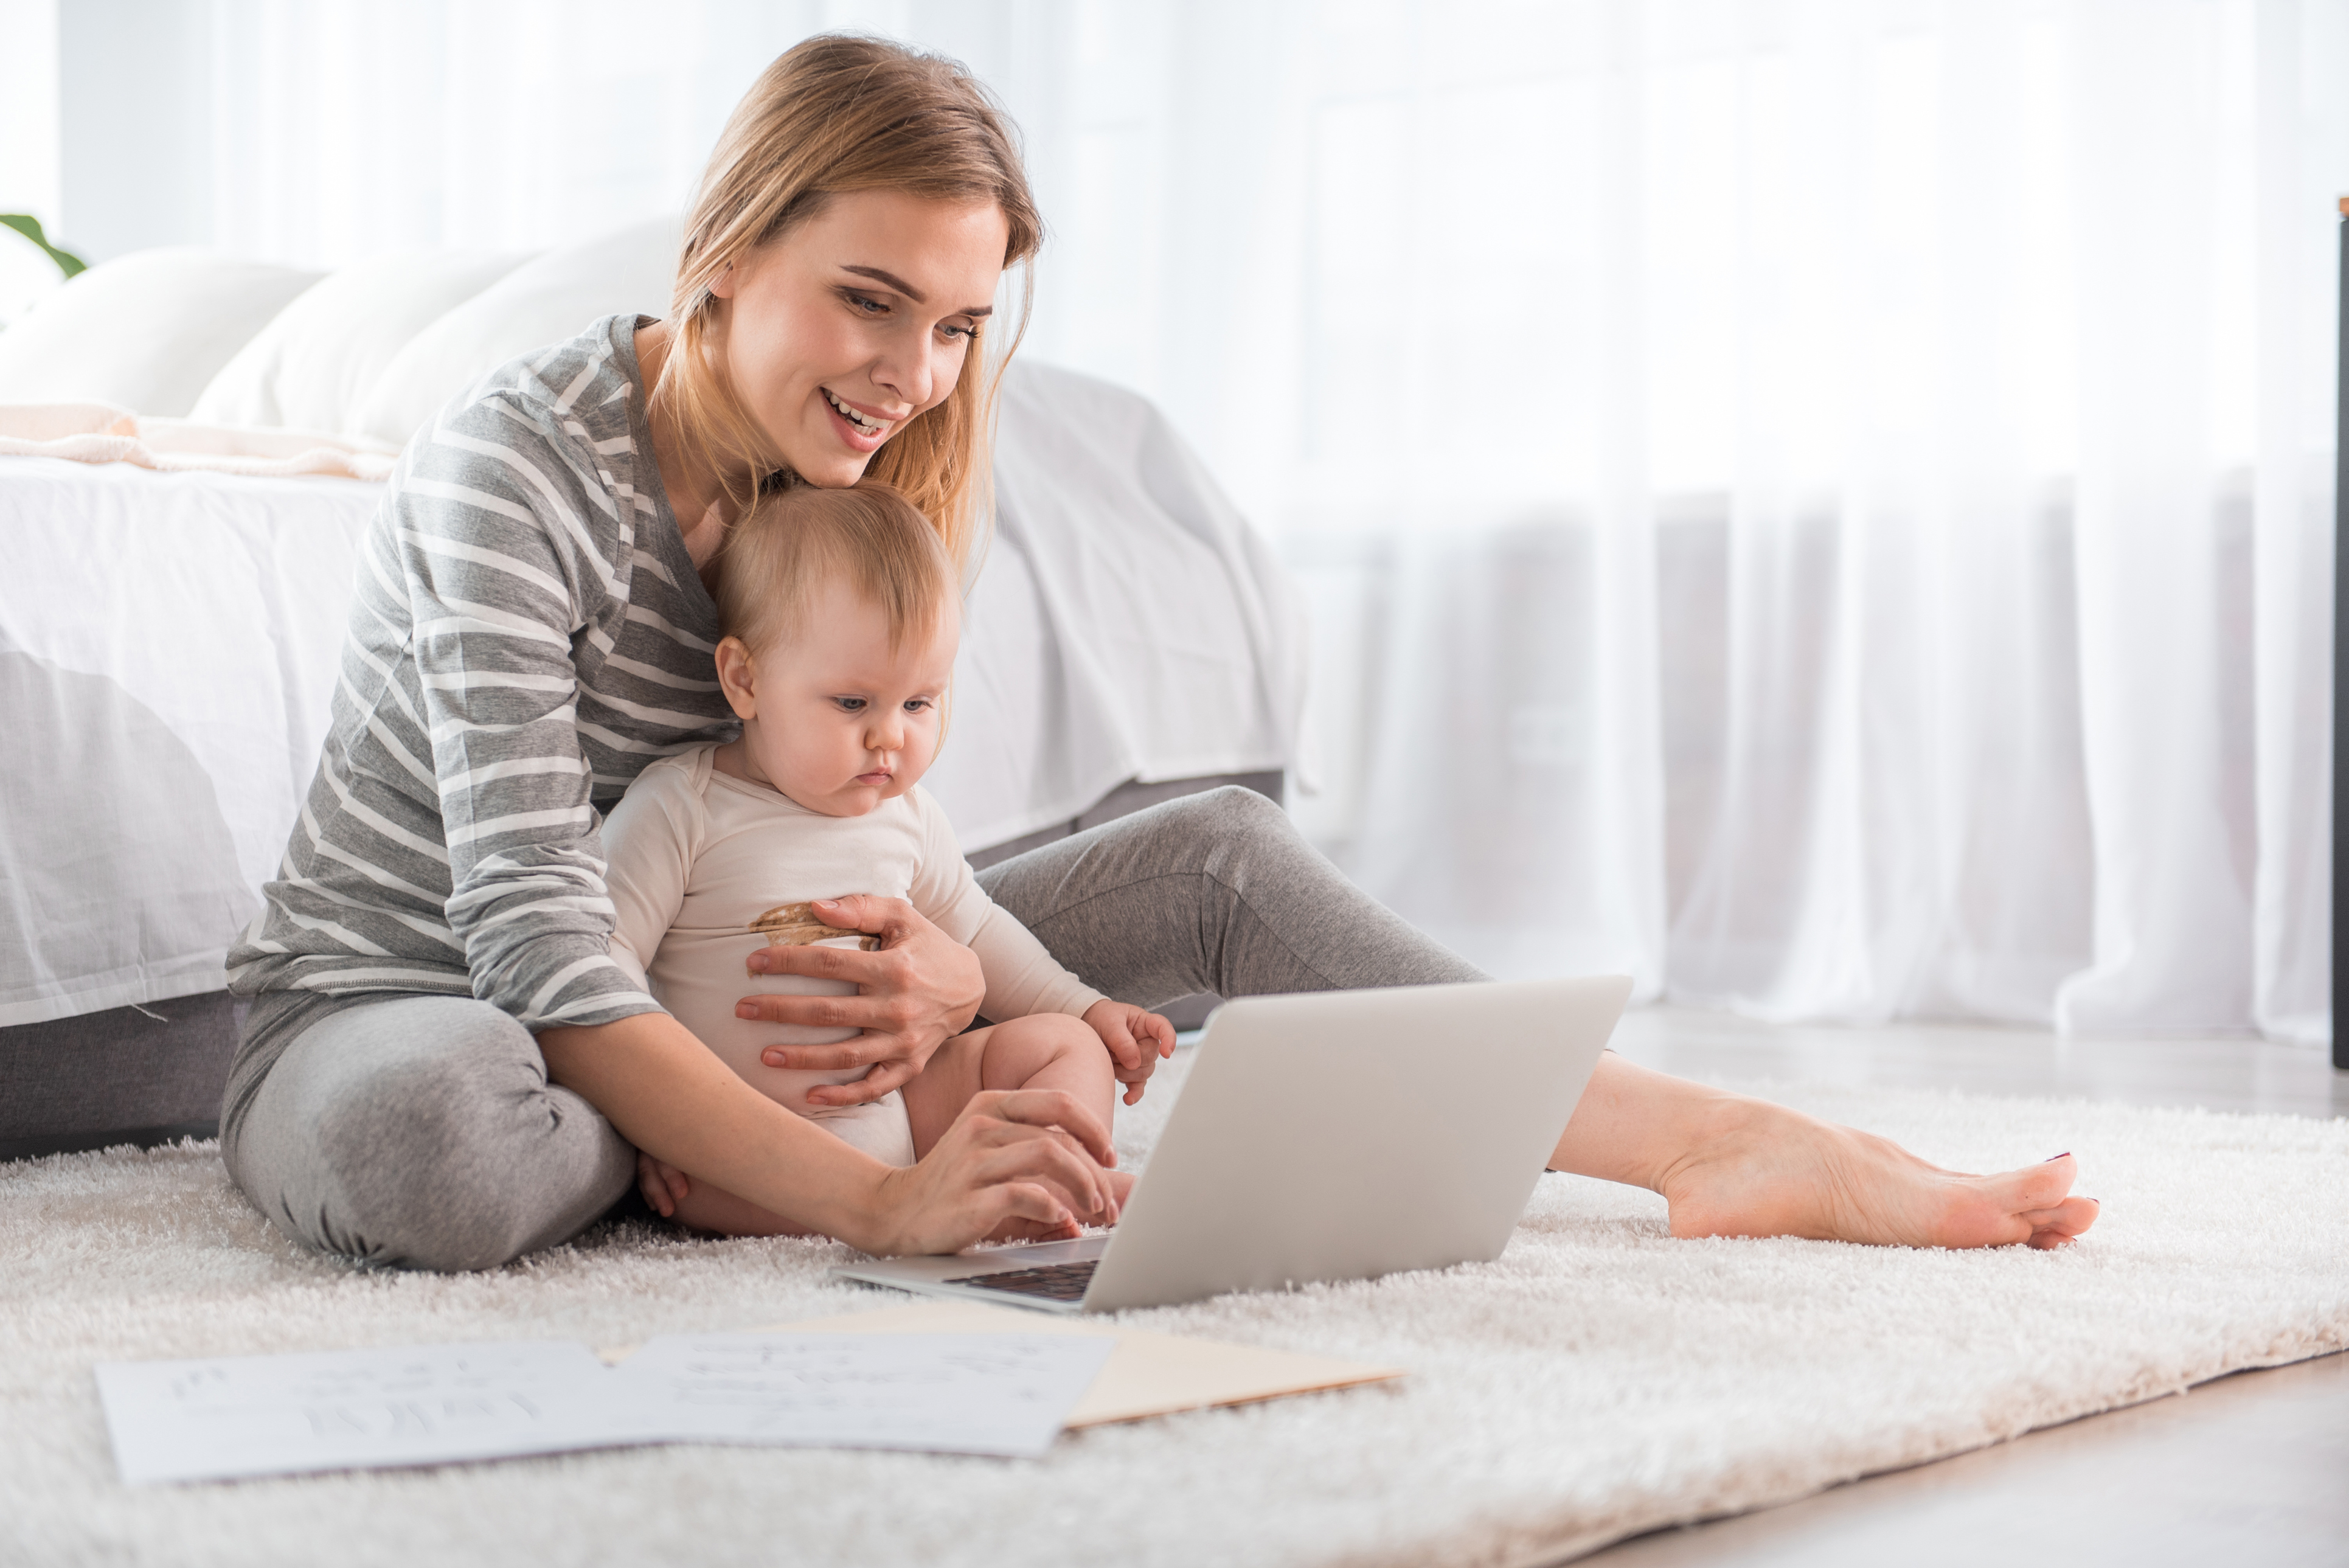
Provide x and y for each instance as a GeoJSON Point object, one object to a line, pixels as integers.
{"type": "Point", "coordinates": [354, 1409]}
{"type": "Point", "coordinates": [1002, 1394]}
{"type": "Point", "coordinates": [242, 1416]}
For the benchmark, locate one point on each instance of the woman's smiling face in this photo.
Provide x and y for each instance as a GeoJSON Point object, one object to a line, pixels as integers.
{"type": "Point", "coordinates": [855, 320]}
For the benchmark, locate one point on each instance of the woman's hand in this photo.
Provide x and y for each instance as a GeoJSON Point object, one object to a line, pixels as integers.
{"type": "Point", "coordinates": [1025, 1163]}
{"type": "Point", "coordinates": [1136, 1039]}
{"type": "Point", "coordinates": [920, 989]}
{"type": "Point", "coordinates": [1020, 1159]}
{"type": "Point", "coordinates": [1026, 1150]}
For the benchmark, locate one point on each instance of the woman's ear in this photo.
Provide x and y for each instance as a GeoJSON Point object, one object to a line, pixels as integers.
{"type": "Point", "coordinates": [722, 285]}
{"type": "Point", "coordinates": [738, 676]}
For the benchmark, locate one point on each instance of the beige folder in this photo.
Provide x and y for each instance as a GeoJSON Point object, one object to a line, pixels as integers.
{"type": "Point", "coordinates": [1146, 1375]}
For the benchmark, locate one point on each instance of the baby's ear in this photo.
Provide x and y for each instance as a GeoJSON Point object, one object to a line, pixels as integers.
{"type": "Point", "coordinates": [738, 676]}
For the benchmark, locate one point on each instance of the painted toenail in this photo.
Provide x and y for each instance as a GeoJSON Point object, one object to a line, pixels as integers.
{"type": "Point", "coordinates": [2053, 1158]}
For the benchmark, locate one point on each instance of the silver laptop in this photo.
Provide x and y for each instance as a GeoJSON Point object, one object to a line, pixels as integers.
{"type": "Point", "coordinates": [1334, 1135]}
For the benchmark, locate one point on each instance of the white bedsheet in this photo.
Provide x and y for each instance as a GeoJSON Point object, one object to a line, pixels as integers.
{"type": "Point", "coordinates": [167, 648]}
{"type": "Point", "coordinates": [168, 645]}
{"type": "Point", "coordinates": [1127, 623]}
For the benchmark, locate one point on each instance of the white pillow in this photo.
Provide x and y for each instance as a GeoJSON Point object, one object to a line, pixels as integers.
{"type": "Point", "coordinates": [313, 366]}
{"type": "Point", "coordinates": [543, 300]}
{"type": "Point", "coordinates": [144, 332]}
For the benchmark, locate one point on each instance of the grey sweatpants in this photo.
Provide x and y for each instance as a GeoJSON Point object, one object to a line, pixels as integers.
{"type": "Point", "coordinates": [420, 1131]}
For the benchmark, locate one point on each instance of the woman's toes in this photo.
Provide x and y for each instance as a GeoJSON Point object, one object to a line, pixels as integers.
{"type": "Point", "coordinates": [2003, 1204]}
{"type": "Point", "coordinates": [2064, 1221]}
{"type": "Point", "coordinates": [2061, 1224]}
{"type": "Point", "coordinates": [2045, 1185]}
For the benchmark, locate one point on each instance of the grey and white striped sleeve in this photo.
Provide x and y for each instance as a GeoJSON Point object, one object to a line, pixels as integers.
{"type": "Point", "coordinates": [502, 572]}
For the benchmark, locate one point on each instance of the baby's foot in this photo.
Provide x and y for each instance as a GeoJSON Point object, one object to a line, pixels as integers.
{"type": "Point", "coordinates": [1770, 1172]}
{"type": "Point", "coordinates": [1121, 1183]}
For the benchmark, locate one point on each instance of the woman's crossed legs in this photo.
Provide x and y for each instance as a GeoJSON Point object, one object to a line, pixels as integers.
{"type": "Point", "coordinates": [422, 1130]}
{"type": "Point", "coordinates": [415, 1132]}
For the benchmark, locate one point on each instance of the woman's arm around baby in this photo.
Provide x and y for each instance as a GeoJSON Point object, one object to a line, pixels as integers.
{"type": "Point", "coordinates": [1031, 1158]}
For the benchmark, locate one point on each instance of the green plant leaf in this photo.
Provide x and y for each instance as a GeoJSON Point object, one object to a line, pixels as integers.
{"type": "Point", "coordinates": [30, 227]}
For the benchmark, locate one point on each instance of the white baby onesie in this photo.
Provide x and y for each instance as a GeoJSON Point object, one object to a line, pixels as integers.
{"type": "Point", "coordinates": [694, 857]}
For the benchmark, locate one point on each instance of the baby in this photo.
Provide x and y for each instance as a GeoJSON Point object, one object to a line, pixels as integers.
{"type": "Point", "coordinates": [841, 612]}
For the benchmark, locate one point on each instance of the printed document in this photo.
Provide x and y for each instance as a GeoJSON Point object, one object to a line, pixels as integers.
{"type": "Point", "coordinates": [232, 1417]}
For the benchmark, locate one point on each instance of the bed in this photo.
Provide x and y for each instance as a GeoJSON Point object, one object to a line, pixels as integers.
{"type": "Point", "coordinates": [167, 644]}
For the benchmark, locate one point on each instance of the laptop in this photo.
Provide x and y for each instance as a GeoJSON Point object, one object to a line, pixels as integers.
{"type": "Point", "coordinates": [1334, 1135]}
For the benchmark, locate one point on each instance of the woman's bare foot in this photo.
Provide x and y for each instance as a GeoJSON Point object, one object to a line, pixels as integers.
{"type": "Point", "coordinates": [1766, 1170]}
{"type": "Point", "coordinates": [1730, 1166]}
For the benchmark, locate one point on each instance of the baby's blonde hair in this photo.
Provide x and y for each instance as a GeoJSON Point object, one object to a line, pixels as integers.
{"type": "Point", "coordinates": [776, 561]}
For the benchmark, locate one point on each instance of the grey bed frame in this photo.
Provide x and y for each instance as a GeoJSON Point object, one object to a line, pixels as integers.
{"type": "Point", "coordinates": [147, 1075]}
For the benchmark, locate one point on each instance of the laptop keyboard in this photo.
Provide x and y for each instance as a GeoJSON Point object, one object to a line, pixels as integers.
{"type": "Point", "coordinates": [1054, 1281]}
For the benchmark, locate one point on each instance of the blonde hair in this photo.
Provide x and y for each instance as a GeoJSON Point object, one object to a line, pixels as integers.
{"type": "Point", "coordinates": [834, 114]}
{"type": "Point", "coordinates": [777, 561]}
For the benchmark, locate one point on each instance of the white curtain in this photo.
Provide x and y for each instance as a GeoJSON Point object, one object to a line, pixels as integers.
{"type": "Point", "coordinates": [1824, 506]}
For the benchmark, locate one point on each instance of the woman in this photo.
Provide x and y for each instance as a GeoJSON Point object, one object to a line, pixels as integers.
{"type": "Point", "coordinates": [443, 1067]}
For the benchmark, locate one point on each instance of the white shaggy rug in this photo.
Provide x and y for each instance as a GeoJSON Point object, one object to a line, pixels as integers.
{"type": "Point", "coordinates": [1599, 1380]}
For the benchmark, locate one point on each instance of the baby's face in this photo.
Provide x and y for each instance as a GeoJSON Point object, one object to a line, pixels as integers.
{"type": "Point", "coordinates": [837, 719]}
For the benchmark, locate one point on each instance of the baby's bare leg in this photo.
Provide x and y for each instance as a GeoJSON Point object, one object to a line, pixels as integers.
{"type": "Point", "coordinates": [713, 1209]}
{"type": "Point", "coordinates": [1047, 1050]}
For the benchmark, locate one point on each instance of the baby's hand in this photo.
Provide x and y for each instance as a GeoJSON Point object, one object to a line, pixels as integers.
{"type": "Point", "coordinates": [1136, 1040]}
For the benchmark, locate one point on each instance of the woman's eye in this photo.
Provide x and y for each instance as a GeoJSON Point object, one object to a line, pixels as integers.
{"type": "Point", "coordinates": [868, 305]}
{"type": "Point", "coordinates": [964, 333]}
{"type": "Point", "coordinates": [916, 704]}
{"type": "Point", "coordinates": [850, 704]}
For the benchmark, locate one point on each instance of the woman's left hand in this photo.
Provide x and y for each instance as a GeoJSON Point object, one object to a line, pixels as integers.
{"type": "Point", "coordinates": [920, 989]}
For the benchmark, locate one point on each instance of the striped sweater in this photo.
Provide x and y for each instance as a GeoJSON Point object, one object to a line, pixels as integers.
{"type": "Point", "coordinates": [527, 633]}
